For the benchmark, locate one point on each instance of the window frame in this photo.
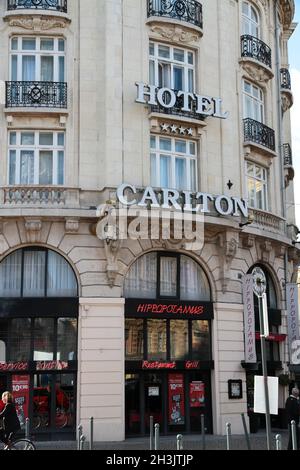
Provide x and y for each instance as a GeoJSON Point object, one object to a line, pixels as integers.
{"type": "Point", "coordinates": [37, 53]}
{"type": "Point", "coordinates": [256, 103]}
{"type": "Point", "coordinates": [158, 61]}
{"type": "Point", "coordinates": [264, 182]}
{"type": "Point", "coordinates": [248, 22]}
{"type": "Point", "coordinates": [58, 152]}
{"type": "Point", "coordinates": [190, 159]}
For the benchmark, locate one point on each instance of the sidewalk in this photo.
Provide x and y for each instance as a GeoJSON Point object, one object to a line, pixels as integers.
{"type": "Point", "coordinates": [258, 442]}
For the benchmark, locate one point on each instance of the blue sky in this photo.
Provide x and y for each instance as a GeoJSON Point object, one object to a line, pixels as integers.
{"type": "Point", "coordinates": [294, 57]}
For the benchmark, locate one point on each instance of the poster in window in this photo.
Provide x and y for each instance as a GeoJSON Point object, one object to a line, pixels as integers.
{"type": "Point", "coordinates": [20, 391]}
{"type": "Point", "coordinates": [176, 400]}
{"type": "Point", "coordinates": [197, 394]}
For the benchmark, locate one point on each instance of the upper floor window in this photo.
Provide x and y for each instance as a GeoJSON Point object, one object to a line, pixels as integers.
{"type": "Point", "coordinates": [171, 67]}
{"type": "Point", "coordinates": [253, 102]}
{"type": "Point", "coordinates": [250, 20]}
{"type": "Point", "coordinates": [37, 59]}
{"type": "Point", "coordinates": [257, 183]}
{"type": "Point", "coordinates": [36, 158]}
{"type": "Point", "coordinates": [173, 163]}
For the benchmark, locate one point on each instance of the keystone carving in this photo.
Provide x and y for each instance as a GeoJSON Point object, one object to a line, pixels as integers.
{"type": "Point", "coordinates": [72, 226]}
{"type": "Point", "coordinates": [266, 248]}
{"type": "Point", "coordinates": [33, 230]}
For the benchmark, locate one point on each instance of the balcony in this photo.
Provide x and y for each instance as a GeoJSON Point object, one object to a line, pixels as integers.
{"type": "Point", "coordinates": [23, 197]}
{"type": "Point", "coordinates": [260, 136]}
{"type": "Point", "coordinates": [289, 171]}
{"type": "Point", "coordinates": [185, 13]}
{"type": "Point", "coordinates": [49, 5]}
{"type": "Point", "coordinates": [47, 95]}
{"type": "Point", "coordinates": [267, 221]}
{"type": "Point", "coordinates": [286, 89]}
{"type": "Point", "coordinates": [256, 58]}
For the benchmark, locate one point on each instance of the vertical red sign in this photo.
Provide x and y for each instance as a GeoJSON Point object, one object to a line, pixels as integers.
{"type": "Point", "coordinates": [197, 394]}
{"type": "Point", "coordinates": [20, 390]}
{"type": "Point", "coordinates": [176, 400]}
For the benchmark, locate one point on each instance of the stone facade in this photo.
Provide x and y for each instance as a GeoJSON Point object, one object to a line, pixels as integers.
{"type": "Point", "coordinates": [107, 144]}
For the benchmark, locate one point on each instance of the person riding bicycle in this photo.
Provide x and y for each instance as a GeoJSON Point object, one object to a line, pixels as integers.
{"type": "Point", "coordinates": [11, 423]}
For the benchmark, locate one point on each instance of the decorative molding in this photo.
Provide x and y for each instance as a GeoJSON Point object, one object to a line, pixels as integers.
{"type": "Point", "coordinates": [36, 23]}
{"type": "Point", "coordinates": [227, 246]}
{"type": "Point", "coordinates": [72, 226]}
{"type": "Point", "coordinates": [287, 100]}
{"type": "Point", "coordinates": [33, 229]}
{"type": "Point", "coordinates": [266, 249]}
{"type": "Point", "coordinates": [175, 33]}
{"type": "Point", "coordinates": [255, 71]}
{"type": "Point", "coordinates": [248, 241]}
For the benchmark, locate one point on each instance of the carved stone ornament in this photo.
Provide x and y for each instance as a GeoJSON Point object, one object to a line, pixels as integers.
{"type": "Point", "coordinates": [255, 71]}
{"type": "Point", "coordinates": [106, 230]}
{"type": "Point", "coordinates": [33, 230]}
{"type": "Point", "coordinates": [286, 100]}
{"type": "Point", "coordinates": [266, 250]}
{"type": "Point", "coordinates": [175, 33]}
{"type": "Point", "coordinates": [72, 226]}
{"type": "Point", "coordinates": [38, 23]}
{"type": "Point", "coordinates": [248, 241]}
{"type": "Point", "coordinates": [227, 245]}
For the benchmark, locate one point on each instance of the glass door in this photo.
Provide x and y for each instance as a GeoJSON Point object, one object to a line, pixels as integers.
{"type": "Point", "coordinates": [154, 403]}
{"type": "Point", "coordinates": [132, 404]}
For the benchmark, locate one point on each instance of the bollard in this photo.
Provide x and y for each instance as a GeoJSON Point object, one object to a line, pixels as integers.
{"type": "Point", "coordinates": [27, 428]}
{"type": "Point", "coordinates": [203, 432]}
{"type": "Point", "coordinates": [79, 436]}
{"type": "Point", "coordinates": [91, 433]}
{"type": "Point", "coordinates": [82, 441]}
{"type": "Point", "coordinates": [157, 428]}
{"type": "Point", "coordinates": [180, 442]}
{"type": "Point", "coordinates": [151, 432]}
{"type": "Point", "coordinates": [246, 432]}
{"type": "Point", "coordinates": [278, 442]}
{"type": "Point", "coordinates": [228, 434]}
{"type": "Point", "coordinates": [294, 435]}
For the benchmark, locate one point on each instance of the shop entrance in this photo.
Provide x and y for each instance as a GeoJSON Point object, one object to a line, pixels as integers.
{"type": "Point", "coordinates": [175, 399]}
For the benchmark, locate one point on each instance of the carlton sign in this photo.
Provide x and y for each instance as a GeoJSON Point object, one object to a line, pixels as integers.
{"type": "Point", "coordinates": [185, 201]}
{"type": "Point", "coordinates": [183, 101]}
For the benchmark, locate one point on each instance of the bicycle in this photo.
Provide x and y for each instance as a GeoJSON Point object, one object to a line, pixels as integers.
{"type": "Point", "coordinates": [18, 444]}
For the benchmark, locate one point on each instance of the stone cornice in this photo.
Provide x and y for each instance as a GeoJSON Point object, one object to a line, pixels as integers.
{"type": "Point", "coordinates": [288, 12]}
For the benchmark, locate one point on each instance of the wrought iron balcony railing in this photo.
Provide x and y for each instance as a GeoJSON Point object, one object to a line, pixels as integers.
{"type": "Point", "coordinates": [53, 5]}
{"type": "Point", "coordinates": [183, 10]}
{"type": "Point", "coordinates": [285, 79]}
{"type": "Point", "coordinates": [259, 133]}
{"type": "Point", "coordinates": [256, 49]}
{"type": "Point", "coordinates": [287, 155]}
{"type": "Point", "coordinates": [36, 94]}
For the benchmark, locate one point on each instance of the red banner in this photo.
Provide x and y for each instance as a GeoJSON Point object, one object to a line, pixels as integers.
{"type": "Point", "coordinates": [197, 394]}
{"type": "Point", "coordinates": [176, 400]}
{"type": "Point", "coordinates": [20, 391]}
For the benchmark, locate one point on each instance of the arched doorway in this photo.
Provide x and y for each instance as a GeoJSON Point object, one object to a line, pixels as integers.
{"type": "Point", "coordinates": [168, 345]}
{"type": "Point", "coordinates": [39, 308]}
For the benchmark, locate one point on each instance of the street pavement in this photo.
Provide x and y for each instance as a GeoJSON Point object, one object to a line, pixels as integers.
{"type": "Point", "coordinates": [257, 441]}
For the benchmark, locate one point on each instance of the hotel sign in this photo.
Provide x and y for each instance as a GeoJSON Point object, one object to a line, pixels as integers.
{"type": "Point", "coordinates": [182, 101]}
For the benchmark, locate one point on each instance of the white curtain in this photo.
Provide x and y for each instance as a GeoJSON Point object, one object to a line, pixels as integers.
{"type": "Point", "coordinates": [141, 279]}
{"type": "Point", "coordinates": [61, 278]}
{"type": "Point", "coordinates": [46, 168]}
{"type": "Point", "coordinates": [27, 167]}
{"type": "Point", "coordinates": [194, 285]}
{"type": "Point", "coordinates": [34, 274]}
{"type": "Point", "coordinates": [10, 275]}
{"type": "Point", "coordinates": [47, 69]}
{"type": "Point", "coordinates": [168, 277]}
{"type": "Point", "coordinates": [28, 68]}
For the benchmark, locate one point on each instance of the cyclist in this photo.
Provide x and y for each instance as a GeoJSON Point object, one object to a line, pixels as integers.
{"type": "Point", "coordinates": [11, 423]}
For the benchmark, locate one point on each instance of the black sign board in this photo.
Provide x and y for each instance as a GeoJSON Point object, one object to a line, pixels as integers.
{"type": "Point", "coordinates": [135, 308]}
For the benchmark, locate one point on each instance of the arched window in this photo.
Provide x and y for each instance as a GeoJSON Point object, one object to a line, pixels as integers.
{"type": "Point", "coordinates": [36, 273]}
{"type": "Point", "coordinates": [250, 20]}
{"type": "Point", "coordinates": [161, 275]}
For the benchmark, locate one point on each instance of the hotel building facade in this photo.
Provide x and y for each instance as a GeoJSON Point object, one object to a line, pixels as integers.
{"type": "Point", "coordinates": [104, 102]}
